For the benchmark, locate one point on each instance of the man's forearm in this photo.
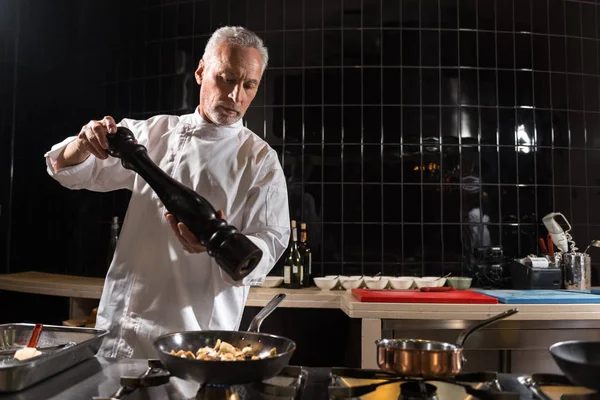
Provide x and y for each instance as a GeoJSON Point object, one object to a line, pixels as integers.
{"type": "Point", "coordinates": [72, 154]}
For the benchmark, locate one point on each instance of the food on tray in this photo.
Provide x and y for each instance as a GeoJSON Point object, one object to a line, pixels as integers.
{"type": "Point", "coordinates": [223, 351]}
{"type": "Point", "coordinates": [27, 352]}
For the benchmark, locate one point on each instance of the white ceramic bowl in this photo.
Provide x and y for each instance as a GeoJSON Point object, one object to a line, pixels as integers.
{"type": "Point", "coordinates": [429, 282]}
{"type": "Point", "coordinates": [349, 283]}
{"type": "Point", "coordinates": [272, 281]}
{"type": "Point", "coordinates": [439, 282]}
{"type": "Point", "coordinates": [402, 282]}
{"type": "Point", "coordinates": [361, 278]}
{"type": "Point", "coordinates": [375, 282]}
{"type": "Point", "coordinates": [326, 283]}
{"type": "Point", "coordinates": [338, 279]}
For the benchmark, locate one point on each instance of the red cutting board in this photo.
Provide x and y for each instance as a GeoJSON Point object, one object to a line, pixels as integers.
{"type": "Point", "coordinates": [416, 296]}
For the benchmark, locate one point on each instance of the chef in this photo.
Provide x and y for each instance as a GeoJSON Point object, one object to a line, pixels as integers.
{"type": "Point", "coordinates": [161, 279]}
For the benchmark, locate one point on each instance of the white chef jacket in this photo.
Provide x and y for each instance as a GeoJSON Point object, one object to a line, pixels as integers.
{"type": "Point", "coordinates": [152, 286]}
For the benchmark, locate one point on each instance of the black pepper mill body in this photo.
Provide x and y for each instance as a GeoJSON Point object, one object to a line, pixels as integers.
{"type": "Point", "coordinates": [233, 251]}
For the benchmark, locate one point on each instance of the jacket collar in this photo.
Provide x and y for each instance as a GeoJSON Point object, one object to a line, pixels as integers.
{"type": "Point", "coordinates": [203, 128]}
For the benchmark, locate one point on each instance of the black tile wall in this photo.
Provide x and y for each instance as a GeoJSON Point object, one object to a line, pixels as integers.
{"type": "Point", "coordinates": [59, 73]}
{"type": "Point", "coordinates": [8, 50]}
{"type": "Point", "coordinates": [410, 131]}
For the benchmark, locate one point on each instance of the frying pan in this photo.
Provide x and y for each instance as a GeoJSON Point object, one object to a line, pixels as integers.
{"type": "Point", "coordinates": [427, 358]}
{"type": "Point", "coordinates": [227, 372]}
{"type": "Point", "coordinates": [579, 361]}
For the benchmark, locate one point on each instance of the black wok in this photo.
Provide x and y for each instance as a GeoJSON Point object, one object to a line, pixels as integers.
{"type": "Point", "coordinates": [227, 372]}
{"type": "Point", "coordinates": [579, 361]}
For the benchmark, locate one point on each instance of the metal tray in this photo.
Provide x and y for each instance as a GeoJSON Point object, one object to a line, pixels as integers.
{"type": "Point", "coordinates": [17, 375]}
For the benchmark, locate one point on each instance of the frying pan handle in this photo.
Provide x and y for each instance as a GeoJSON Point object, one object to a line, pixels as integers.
{"type": "Point", "coordinates": [265, 312]}
{"type": "Point", "coordinates": [465, 334]}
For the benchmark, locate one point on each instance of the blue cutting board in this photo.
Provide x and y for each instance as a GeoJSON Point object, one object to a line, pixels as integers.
{"type": "Point", "coordinates": [594, 290]}
{"type": "Point", "coordinates": [540, 296]}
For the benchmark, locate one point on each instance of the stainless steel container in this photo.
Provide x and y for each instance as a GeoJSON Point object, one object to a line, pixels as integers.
{"type": "Point", "coordinates": [576, 268]}
{"type": "Point", "coordinates": [17, 375]}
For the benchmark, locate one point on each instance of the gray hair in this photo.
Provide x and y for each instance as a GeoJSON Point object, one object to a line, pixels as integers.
{"type": "Point", "coordinates": [239, 36]}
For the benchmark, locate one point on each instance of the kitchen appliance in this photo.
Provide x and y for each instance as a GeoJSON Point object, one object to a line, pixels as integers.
{"type": "Point", "coordinates": [418, 296]}
{"type": "Point", "coordinates": [560, 237]}
{"type": "Point", "coordinates": [225, 373]}
{"type": "Point", "coordinates": [286, 384]}
{"type": "Point", "coordinates": [348, 383]}
{"type": "Point", "coordinates": [489, 268]}
{"type": "Point", "coordinates": [233, 251]}
{"type": "Point", "coordinates": [535, 273]}
{"type": "Point", "coordinates": [100, 378]}
{"type": "Point", "coordinates": [426, 358]}
{"type": "Point", "coordinates": [576, 266]}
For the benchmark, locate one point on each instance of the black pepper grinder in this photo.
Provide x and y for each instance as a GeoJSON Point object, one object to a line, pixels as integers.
{"type": "Point", "coordinates": [233, 251]}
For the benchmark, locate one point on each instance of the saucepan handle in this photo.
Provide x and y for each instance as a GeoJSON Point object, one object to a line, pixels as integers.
{"type": "Point", "coordinates": [465, 334]}
{"type": "Point", "coordinates": [265, 312]}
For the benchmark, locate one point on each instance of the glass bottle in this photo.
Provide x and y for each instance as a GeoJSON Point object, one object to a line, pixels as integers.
{"type": "Point", "coordinates": [306, 257]}
{"type": "Point", "coordinates": [293, 263]}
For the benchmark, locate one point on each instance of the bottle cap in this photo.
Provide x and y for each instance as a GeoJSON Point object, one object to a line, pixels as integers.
{"type": "Point", "coordinates": [293, 223]}
{"type": "Point", "coordinates": [303, 225]}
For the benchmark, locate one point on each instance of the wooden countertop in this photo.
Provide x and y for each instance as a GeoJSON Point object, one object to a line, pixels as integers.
{"type": "Point", "coordinates": [432, 311]}
{"type": "Point", "coordinates": [52, 284]}
{"type": "Point", "coordinates": [91, 288]}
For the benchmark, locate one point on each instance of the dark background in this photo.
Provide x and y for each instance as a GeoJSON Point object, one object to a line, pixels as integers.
{"type": "Point", "coordinates": [410, 131]}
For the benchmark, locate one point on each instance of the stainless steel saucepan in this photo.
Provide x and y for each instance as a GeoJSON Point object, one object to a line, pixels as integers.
{"type": "Point", "coordinates": [426, 358]}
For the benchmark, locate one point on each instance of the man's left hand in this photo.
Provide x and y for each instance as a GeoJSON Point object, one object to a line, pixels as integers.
{"type": "Point", "coordinates": [188, 240]}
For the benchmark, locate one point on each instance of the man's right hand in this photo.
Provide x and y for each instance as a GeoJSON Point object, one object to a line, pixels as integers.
{"type": "Point", "coordinates": [90, 140]}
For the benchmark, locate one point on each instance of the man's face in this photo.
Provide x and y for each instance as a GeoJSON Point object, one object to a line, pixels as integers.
{"type": "Point", "coordinates": [228, 83]}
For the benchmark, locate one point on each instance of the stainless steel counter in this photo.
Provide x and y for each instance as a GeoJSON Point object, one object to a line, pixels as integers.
{"type": "Point", "coordinates": [94, 377]}
{"type": "Point", "coordinates": [100, 377]}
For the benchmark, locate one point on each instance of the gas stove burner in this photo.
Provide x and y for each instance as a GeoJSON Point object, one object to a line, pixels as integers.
{"type": "Point", "coordinates": [288, 384]}
{"type": "Point", "coordinates": [417, 390]}
{"type": "Point", "coordinates": [219, 393]}
{"type": "Point", "coordinates": [539, 384]}
{"type": "Point", "coordinates": [353, 383]}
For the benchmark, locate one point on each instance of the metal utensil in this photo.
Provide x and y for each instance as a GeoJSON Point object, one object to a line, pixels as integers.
{"type": "Point", "coordinates": [227, 372]}
{"type": "Point", "coordinates": [17, 375]}
{"type": "Point", "coordinates": [595, 243]}
{"type": "Point", "coordinates": [30, 350]}
{"type": "Point", "coordinates": [445, 276]}
{"type": "Point", "coordinates": [427, 358]}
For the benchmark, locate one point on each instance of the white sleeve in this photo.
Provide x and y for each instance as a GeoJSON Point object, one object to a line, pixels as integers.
{"type": "Point", "coordinates": [94, 174]}
{"type": "Point", "coordinates": [266, 223]}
